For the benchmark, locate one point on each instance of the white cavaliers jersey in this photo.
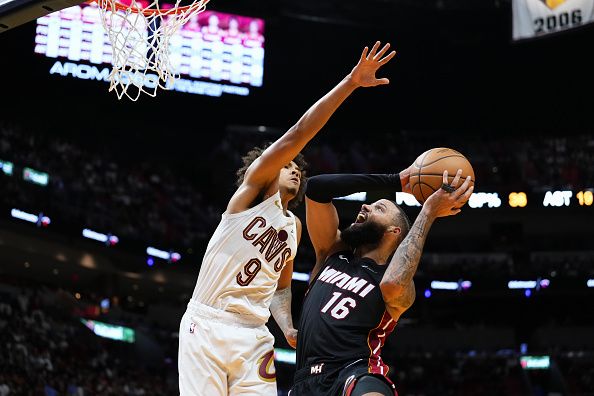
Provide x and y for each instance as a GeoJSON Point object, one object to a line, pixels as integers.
{"type": "Point", "coordinates": [244, 259]}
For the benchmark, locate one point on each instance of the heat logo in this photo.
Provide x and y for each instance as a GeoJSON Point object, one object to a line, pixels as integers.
{"type": "Point", "coordinates": [552, 4]}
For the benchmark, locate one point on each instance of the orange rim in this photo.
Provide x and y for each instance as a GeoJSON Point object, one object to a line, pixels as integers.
{"type": "Point", "coordinates": [105, 4]}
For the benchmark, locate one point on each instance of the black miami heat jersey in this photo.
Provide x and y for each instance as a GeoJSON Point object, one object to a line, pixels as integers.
{"type": "Point", "coordinates": [344, 316]}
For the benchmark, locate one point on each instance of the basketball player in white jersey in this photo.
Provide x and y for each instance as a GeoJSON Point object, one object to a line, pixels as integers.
{"type": "Point", "coordinates": [224, 346]}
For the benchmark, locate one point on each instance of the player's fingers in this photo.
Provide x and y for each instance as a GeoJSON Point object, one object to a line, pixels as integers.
{"type": "Point", "coordinates": [373, 50]}
{"type": "Point", "coordinates": [455, 211]}
{"type": "Point", "coordinates": [456, 180]}
{"type": "Point", "coordinates": [444, 179]}
{"type": "Point", "coordinates": [387, 58]}
{"type": "Point", "coordinates": [468, 193]}
{"type": "Point", "coordinates": [382, 52]}
{"type": "Point", "coordinates": [463, 188]}
{"type": "Point", "coordinates": [382, 81]}
{"type": "Point", "coordinates": [364, 54]}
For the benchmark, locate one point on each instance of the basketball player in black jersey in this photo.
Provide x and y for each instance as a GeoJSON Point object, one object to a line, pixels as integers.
{"type": "Point", "coordinates": [362, 281]}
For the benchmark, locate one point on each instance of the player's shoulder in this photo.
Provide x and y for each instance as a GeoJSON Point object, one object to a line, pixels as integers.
{"type": "Point", "coordinates": [297, 222]}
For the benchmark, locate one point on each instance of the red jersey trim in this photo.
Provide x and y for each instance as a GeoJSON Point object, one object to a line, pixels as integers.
{"type": "Point", "coordinates": [376, 340]}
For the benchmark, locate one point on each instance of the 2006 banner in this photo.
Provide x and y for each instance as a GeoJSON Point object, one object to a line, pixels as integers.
{"type": "Point", "coordinates": [535, 18]}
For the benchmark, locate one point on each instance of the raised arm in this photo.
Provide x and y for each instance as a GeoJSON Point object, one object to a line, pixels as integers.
{"type": "Point", "coordinates": [397, 283]}
{"type": "Point", "coordinates": [321, 215]}
{"type": "Point", "coordinates": [265, 170]}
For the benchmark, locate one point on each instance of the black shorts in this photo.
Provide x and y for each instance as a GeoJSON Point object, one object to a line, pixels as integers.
{"type": "Point", "coordinates": [328, 380]}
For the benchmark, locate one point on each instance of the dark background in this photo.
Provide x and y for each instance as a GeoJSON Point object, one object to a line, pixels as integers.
{"type": "Point", "coordinates": [456, 68]}
{"type": "Point", "coordinates": [458, 81]}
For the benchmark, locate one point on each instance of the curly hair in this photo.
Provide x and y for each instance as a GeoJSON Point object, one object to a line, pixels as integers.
{"type": "Point", "coordinates": [256, 152]}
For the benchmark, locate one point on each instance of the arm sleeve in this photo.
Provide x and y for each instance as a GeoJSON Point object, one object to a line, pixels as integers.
{"type": "Point", "coordinates": [323, 188]}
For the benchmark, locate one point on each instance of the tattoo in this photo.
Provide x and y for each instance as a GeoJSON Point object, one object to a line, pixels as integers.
{"type": "Point", "coordinates": [280, 307]}
{"type": "Point", "coordinates": [408, 298]}
{"type": "Point", "coordinates": [405, 262]}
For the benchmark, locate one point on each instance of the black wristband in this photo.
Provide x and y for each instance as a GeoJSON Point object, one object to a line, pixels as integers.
{"type": "Point", "coordinates": [323, 188]}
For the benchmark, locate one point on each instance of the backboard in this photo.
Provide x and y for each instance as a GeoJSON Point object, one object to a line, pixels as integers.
{"type": "Point", "coordinates": [14, 13]}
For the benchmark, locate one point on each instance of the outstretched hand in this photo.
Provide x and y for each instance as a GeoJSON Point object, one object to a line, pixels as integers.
{"type": "Point", "coordinates": [443, 203]}
{"type": "Point", "coordinates": [363, 74]}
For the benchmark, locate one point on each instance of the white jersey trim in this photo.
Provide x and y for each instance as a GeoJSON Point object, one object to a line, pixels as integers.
{"type": "Point", "coordinates": [253, 209]}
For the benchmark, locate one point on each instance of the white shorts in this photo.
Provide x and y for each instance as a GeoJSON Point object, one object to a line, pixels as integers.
{"type": "Point", "coordinates": [221, 353]}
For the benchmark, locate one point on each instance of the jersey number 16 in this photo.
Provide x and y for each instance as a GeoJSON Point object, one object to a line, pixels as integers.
{"type": "Point", "coordinates": [340, 309]}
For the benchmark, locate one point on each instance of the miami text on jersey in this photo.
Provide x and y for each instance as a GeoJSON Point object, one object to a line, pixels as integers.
{"type": "Point", "coordinates": [345, 281]}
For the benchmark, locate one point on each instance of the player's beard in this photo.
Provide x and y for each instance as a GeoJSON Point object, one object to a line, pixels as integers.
{"type": "Point", "coordinates": [361, 234]}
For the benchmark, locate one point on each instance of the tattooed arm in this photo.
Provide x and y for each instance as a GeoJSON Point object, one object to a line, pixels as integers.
{"type": "Point", "coordinates": [397, 284]}
{"type": "Point", "coordinates": [280, 306]}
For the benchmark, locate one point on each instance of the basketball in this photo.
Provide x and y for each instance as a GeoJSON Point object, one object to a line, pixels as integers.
{"type": "Point", "coordinates": [427, 173]}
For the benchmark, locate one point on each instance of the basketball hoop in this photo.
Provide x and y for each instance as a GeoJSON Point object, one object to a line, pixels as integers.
{"type": "Point", "coordinates": [139, 32]}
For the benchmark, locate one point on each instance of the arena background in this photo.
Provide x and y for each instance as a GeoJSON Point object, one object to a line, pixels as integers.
{"type": "Point", "coordinates": [158, 173]}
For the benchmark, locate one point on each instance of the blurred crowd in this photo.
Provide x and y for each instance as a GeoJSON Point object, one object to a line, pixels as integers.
{"type": "Point", "coordinates": [145, 201]}
{"type": "Point", "coordinates": [165, 201]}
{"type": "Point", "coordinates": [501, 163]}
{"type": "Point", "coordinates": [494, 373]}
{"type": "Point", "coordinates": [498, 265]}
{"type": "Point", "coordinates": [46, 350]}
{"type": "Point", "coordinates": [481, 374]}
{"type": "Point", "coordinates": [578, 371]}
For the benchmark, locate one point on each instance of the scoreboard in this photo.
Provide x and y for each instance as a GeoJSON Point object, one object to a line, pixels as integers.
{"type": "Point", "coordinates": [214, 52]}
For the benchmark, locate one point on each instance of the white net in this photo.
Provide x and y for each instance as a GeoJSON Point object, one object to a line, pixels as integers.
{"type": "Point", "coordinates": [139, 32]}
